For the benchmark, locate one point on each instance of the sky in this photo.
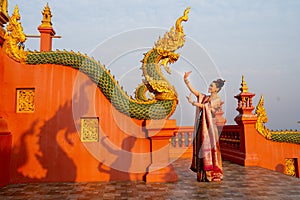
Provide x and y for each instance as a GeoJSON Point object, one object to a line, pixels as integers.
{"type": "Point", "coordinates": [259, 39]}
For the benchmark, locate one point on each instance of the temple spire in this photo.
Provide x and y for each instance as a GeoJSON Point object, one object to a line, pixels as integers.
{"type": "Point", "coordinates": [46, 22]}
{"type": "Point", "coordinates": [46, 30]}
{"type": "Point", "coordinates": [244, 87]}
{"type": "Point", "coordinates": [245, 106]}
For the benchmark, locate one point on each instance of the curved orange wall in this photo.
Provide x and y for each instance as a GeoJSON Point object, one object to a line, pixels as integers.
{"type": "Point", "coordinates": [46, 144]}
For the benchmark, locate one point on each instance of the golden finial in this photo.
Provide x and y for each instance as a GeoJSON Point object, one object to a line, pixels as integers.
{"type": "Point", "coordinates": [244, 87]}
{"type": "Point", "coordinates": [46, 22]}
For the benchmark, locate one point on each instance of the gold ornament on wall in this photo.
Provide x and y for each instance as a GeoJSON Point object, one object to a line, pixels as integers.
{"type": "Point", "coordinates": [89, 129]}
{"type": "Point", "coordinates": [25, 100]}
{"type": "Point", "coordinates": [290, 166]}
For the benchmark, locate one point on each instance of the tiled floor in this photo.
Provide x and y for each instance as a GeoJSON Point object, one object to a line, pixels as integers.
{"type": "Point", "coordinates": [239, 183]}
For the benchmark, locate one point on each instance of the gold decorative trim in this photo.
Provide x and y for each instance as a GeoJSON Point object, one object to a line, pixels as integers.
{"type": "Point", "coordinates": [290, 166]}
{"type": "Point", "coordinates": [25, 100]}
{"type": "Point", "coordinates": [89, 129]}
{"type": "Point", "coordinates": [3, 7]}
{"type": "Point", "coordinates": [230, 140]}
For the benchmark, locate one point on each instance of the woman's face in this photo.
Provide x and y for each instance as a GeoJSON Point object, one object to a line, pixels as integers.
{"type": "Point", "coordinates": [213, 88]}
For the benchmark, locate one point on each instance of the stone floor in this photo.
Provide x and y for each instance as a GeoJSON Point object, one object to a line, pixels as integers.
{"type": "Point", "coordinates": [239, 183]}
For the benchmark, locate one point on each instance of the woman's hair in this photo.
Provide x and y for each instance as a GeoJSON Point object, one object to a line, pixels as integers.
{"type": "Point", "coordinates": [219, 83]}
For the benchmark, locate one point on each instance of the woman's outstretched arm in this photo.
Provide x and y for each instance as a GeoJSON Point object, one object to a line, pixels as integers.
{"type": "Point", "coordinates": [188, 84]}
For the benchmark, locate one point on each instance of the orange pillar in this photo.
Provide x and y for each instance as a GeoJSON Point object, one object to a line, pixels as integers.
{"type": "Point", "coordinates": [246, 121]}
{"type": "Point", "coordinates": [5, 135]}
{"type": "Point", "coordinates": [46, 30]}
{"type": "Point", "coordinates": [46, 38]}
{"type": "Point", "coordinates": [160, 132]}
{"type": "Point", "coordinates": [5, 151]}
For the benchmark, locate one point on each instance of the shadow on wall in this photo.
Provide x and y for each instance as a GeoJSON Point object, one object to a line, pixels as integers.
{"type": "Point", "coordinates": [279, 168]}
{"type": "Point", "coordinates": [37, 156]}
{"type": "Point", "coordinates": [123, 160]}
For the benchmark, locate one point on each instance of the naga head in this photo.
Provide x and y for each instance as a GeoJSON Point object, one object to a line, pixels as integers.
{"type": "Point", "coordinates": [172, 40]}
{"type": "Point", "coordinates": [15, 37]}
{"type": "Point", "coordinates": [163, 54]}
{"type": "Point", "coordinates": [261, 112]}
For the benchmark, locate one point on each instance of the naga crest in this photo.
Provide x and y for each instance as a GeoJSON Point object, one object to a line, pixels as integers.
{"type": "Point", "coordinates": [172, 40]}
{"type": "Point", "coordinates": [15, 38]}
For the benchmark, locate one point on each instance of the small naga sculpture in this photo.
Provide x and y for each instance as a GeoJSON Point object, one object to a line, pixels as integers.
{"type": "Point", "coordinates": [15, 38]}
{"type": "Point", "coordinates": [163, 97]}
{"type": "Point", "coordinates": [288, 136]}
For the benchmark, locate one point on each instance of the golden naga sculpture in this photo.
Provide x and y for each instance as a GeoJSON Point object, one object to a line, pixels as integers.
{"type": "Point", "coordinates": [163, 97]}
{"type": "Point", "coordinates": [15, 38]}
{"type": "Point", "coordinates": [262, 118]}
{"type": "Point", "coordinates": [289, 136]}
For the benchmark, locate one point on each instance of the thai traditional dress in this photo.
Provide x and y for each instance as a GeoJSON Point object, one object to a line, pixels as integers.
{"type": "Point", "coordinates": [207, 161]}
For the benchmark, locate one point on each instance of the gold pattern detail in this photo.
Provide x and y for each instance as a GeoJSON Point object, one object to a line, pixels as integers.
{"type": "Point", "coordinates": [46, 22]}
{"type": "Point", "coordinates": [89, 129]}
{"type": "Point", "coordinates": [290, 166]}
{"type": "Point", "coordinates": [25, 100]}
{"type": "Point", "coordinates": [284, 132]}
{"type": "Point", "coordinates": [3, 7]}
{"type": "Point", "coordinates": [14, 38]}
{"type": "Point", "coordinates": [262, 118]}
{"type": "Point", "coordinates": [244, 87]}
{"type": "Point", "coordinates": [230, 140]}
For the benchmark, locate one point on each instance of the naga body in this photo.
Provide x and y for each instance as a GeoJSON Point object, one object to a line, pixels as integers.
{"type": "Point", "coordinates": [162, 100]}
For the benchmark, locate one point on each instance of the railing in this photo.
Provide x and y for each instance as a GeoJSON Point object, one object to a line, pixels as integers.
{"type": "Point", "coordinates": [183, 137]}
{"type": "Point", "coordinates": [231, 144]}
{"type": "Point", "coordinates": [182, 141]}
{"type": "Point", "coordinates": [230, 137]}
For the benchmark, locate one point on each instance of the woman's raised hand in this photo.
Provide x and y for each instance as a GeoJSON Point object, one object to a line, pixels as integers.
{"type": "Point", "coordinates": [186, 75]}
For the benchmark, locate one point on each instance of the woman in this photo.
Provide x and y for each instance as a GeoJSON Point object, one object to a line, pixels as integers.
{"type": "Point", "coordinates": [207, 162]}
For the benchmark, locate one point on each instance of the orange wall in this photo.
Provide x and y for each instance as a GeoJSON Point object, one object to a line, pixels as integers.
{"type": "Point", "coordinates": [272, 155]}
{"type": "Point", "coordinates": [46, 144]}
{"type": "Point", "coordinates": [256, 150]}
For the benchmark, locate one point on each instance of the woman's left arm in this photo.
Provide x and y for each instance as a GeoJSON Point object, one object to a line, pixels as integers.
{"type": "Point", "coordinates": [194, 103]}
